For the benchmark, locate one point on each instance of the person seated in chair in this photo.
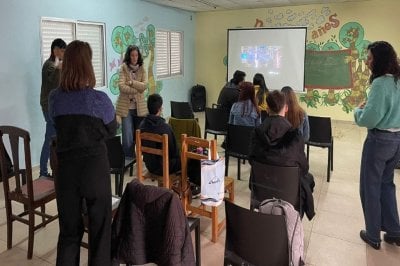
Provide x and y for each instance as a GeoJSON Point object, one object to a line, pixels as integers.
{"type": "Point", "coordinates": [154, 123]}
{"type": "Point", "coordinates": [230, 92]}
{"type": "Point", "coordinates": [275, 142]}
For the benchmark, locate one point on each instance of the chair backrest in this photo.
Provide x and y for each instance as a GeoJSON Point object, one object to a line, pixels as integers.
{"type": "Point", "coordinates": [147, 143]}
{"type": "Point", "coordinates": [188, 144]}
{"type": "Point", "coordinates": [270, 181]}
{"type": "Point", "coordinates": [189, 127]}
{"type": "Point", "coordinates": [254, 238]}
{"type": "Point", "coordinates": [216, 119]}
{"type": "Point", "coordinates": [116, 156]}
{"type": "Point", "coordinates": [13, 137]}
{"type": "Point", "coordinates": [181, 110]}
{"type": "Point", "coordinates": [320, 129]}
{"type": "Point", "coordinates": [238, 139]}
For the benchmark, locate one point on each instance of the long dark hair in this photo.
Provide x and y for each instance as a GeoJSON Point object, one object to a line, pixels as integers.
{"type": "Point", "coordinates": [384, 60]}
{"type": "Point", "coordinates": [127, 57]}
{"type": "Point", "coordinates": [259, 80]}
{"type": "Point", "coordinates": [247, 93]}
{"type": "Point", "coordinates": [295, 113]}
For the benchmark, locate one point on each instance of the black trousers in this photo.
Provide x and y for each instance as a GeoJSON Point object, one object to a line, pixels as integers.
{"type": "Point", "coordinates": [84, 178]}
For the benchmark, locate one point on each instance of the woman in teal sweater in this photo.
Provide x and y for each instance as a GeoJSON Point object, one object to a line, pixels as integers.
{"type": "Point", "coordinates": [381, 151]}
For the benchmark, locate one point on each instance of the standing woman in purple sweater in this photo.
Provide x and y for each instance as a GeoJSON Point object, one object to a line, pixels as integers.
{"type": "Point", "coordinates": [84, 118]}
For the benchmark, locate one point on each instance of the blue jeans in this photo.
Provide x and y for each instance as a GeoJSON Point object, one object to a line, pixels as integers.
{"type": "Point", "coordinates": [380, 155]}
{"type": "Point", "coordinates": [45, 153]}
{"type": "Point", "coordinates": [128, 132]}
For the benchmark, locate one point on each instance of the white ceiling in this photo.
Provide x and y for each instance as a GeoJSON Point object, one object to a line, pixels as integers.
{"type": "Point", "coordinates": [219, 5]}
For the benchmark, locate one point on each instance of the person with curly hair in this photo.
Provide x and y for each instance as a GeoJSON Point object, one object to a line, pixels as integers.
{"type": "Point", "coordinates": [380, 114]}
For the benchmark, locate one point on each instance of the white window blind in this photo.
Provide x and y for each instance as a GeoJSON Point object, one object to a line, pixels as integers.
{"type": "Point", "coordinates": [176, 53]}
{"type": "Point", "coordinates": [162, 54]}
{"type": "Point", "coordinates": [52, 30]}
{"type": "Point", "coordinates": [92, 34]}
{"type": "Point", "coordinates": [70, 30]}
{"type": "Point", "coordinates": [169, 53]}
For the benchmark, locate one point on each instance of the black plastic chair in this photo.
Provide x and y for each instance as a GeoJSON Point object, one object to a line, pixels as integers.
{"type": "Point", "coordinates": [253, 238]}
{"type": "Point", "coordinates": [181, 110]}
{"type": "Point", "coordinates": [118, 163]}
{"type": "Point", "coordinates": [237, 145]}
{"type": "Point", "coordinates": [271, 181]}
{"type": "Point", "coordinates": [216, 122]}
{"type": "Point", "coordinates": [321, 136]}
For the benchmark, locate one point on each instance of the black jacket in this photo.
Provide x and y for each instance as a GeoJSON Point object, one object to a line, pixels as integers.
{"type": "Point", "coordinates": [156, 124]}
{"type": "Point", "coordinates": [276, 143]}
{"type": "Point", "coordinates": [228, 96]}
{"type": "Point", "coordinates": [150, 226]}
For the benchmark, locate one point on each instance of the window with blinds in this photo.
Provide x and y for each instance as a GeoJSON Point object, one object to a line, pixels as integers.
{"type": "Point", "coordinates": [69, 30]}
{"type": "Point", "coordinates": [169, 53]}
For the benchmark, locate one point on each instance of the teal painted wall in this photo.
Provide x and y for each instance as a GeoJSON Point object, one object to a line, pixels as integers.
{"type": "Point", "coordinates": [20, 68]}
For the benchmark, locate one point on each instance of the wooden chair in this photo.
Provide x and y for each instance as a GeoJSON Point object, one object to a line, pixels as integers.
{"type": "Point", "coordinates": [31, 193]}
{"type": "Point", "coordinates": [216, 227]}
{"type": "Point", "coordinates": [161, 140]}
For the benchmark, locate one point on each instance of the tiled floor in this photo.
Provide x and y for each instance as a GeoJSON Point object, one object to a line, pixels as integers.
{"type": "Point", "coordinates": [331, 238]}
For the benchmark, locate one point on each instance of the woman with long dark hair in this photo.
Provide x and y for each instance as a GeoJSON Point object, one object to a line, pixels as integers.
{"type": "Point", "coordinates": [131, 103]}
{"type": "Point", "coordinates": [245, 112]}
{"type": "Point", "coordinates": [381, 151]}
{"type": "Point", "coordinates": [84, 118]}
{"type": "Point", "coordinates": [261, 91]}
{"type": "Point", "coordinates": [295, 114]}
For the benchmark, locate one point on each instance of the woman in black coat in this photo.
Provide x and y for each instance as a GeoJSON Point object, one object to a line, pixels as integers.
{"type": "Point", "coordinates": [275, 142]}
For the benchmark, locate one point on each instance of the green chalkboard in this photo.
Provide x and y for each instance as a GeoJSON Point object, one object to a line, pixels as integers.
{"type": "Point", "coordinates": [328, 69]}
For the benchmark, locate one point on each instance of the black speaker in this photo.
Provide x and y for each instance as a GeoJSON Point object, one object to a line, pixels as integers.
{"type": "Point", "coordinates": [198, 98]}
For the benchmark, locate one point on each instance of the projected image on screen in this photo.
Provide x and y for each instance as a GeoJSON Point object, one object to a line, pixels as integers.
{"type": "Point", "coordinates": [267, 58]}
{"type": "Point", "coordinates": [276, 53]}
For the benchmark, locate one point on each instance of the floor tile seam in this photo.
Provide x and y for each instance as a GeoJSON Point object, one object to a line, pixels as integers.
{"type": "Point", "coordinates": [340, 213]}
{"type": "Point", "coordinates": [338, 238]}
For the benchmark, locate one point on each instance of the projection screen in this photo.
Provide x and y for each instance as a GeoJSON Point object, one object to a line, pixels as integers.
{"type": "Point", "coordinates": [277, 53]}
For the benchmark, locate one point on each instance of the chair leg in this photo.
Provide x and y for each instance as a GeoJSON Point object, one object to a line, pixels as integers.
{"type": "Point", "coordinates": [131, 170]}
{"type": "Point", "coordinates": [215, 136]}
{"type": "Point", "coordinates": [205, 135]}
{"type": "Point", "coordinates": [9, 228]}
{"type": "Point", "coordinates": [197, 239]}
{"type": "Point", "coordinates": [31, 233]}
{"type": "Point", "coordinates": [226, 164]}
{"type": "Point", "coordinates": [331, 148]}
{"type": "Point", "coordinates": [43, 210]}
{"type": "Point", "coordinates": [308, 152]}
{"type": "Point", "coordinates": [214, 224]}
{"type": "Point", "coordinates": [238, 170]}
{"type": "Point", "coordinates": [329, 166]}
{"type": "Point", "coordinates": [121, 185]}
{"type": "Point", "coordinates": [116, 183]}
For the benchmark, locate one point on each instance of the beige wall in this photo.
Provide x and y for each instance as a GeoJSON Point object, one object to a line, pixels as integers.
{"type": "Point", "coordinates": [379, 19]}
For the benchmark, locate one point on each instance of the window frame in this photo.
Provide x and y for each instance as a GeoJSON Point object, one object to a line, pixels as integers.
{"type": "Point", "coordinates": [75, 26]}
{"type": "Point", "coordinates": [170, 60]}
